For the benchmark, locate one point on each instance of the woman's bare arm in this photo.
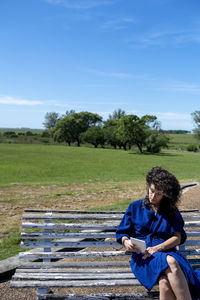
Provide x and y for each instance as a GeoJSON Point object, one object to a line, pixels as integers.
{"type": "Point", "coordinates": [172, 242]}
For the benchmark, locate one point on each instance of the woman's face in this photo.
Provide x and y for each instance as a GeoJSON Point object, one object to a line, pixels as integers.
{"type": "Point", "coordinates": [155, 196]}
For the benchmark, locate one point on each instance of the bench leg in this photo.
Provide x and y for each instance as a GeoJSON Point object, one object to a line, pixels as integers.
{"type": "Point", "coordinates": [42, 292]}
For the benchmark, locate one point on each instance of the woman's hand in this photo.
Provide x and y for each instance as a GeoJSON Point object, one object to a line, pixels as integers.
{"type": "Point", "coordinates": [149, 251]}
{"type": "Point", "coordinates": [130, 247]}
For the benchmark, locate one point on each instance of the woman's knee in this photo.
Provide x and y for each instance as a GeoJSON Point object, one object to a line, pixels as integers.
{"type": "Point", "coordinates": [164, 285]}
{"type": "Point", "coordinates": [173, 264]}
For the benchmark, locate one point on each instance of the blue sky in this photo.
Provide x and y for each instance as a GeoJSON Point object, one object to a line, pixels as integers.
{"type": "Point", "coordinates": [99, 55]}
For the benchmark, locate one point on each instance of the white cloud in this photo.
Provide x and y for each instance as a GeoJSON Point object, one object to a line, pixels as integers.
{"type": "Point", "coordinates": [164, 38]}
{"type": "Point", "coordinates": [172, 116]}
{"type": "Point", "coordinates": [7, 100]}
{"type": "Point", "coordinates": [171, 120]}
{"type": "Point", "coordinates": [118, 23]}
{"type": "Point", "coordinates": [118, 75]}
{"type": "Point", "coordinates": [81, 4]}
{"type": "Point", "coordinates": [181, 87]}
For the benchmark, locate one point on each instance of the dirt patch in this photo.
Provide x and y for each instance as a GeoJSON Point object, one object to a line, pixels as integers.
{"type": "Point", "coordinates": [14, 199]}
{"type": "Point", "coordinates": [191, 198]}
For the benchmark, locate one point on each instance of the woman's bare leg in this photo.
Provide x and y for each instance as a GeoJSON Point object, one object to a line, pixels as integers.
{"type": "Point", "coordinates": [166, 292]}
{"type": "Point", "coordinates": [177, 280]}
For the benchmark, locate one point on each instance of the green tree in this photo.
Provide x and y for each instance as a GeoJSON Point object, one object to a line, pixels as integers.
{"type": "Point", "coordinates": [70, 112]}
{"type": "Point", "coordinates": [110, 133]}
{"type": "Point", "coordinates": [133, 130]}
{"type": "Point", "coordinates": [10, 134]}
{"type": "Point", "coordinates": [94, 135]}
{"type": "Point", "coordinates": [117, 114]}
{"type": "Point", "coordinates": [51, 119]}
{"type": "Point", "coordinates": [72, 126]}
{"type": "Point", "coordinates": [155, 141]}
{"type": "Point", "coordinates": [196, 120]}
{"type": "Point", "coordinates": [64, 130]}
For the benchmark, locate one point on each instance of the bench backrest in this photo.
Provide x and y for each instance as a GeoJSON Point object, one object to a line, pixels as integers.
{"type": "Point", "coordinates": [73, 230]}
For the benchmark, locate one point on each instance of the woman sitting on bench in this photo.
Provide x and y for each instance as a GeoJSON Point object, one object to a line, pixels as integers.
{"type": "Point", "coordinates": [157, 221]}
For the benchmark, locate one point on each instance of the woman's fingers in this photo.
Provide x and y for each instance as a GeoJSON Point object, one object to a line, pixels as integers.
{"type": "Point", "coordinates": [130, 247]}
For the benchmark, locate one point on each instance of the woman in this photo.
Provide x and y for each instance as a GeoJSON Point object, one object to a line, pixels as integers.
{"type": "Point", "coordinates": [157, 221]}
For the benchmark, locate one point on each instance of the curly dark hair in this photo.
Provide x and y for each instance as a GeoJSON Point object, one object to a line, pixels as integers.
{"type": "Point", "coordinates": [169, 185]}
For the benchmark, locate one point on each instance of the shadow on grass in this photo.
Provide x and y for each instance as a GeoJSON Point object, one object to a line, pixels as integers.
{"type": "Point", "coordinates": [157, 154]}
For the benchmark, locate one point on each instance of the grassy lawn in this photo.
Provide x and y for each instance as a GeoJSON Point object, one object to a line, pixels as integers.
{"type": "Point", "coordinates": [181, 141]}
{"type": "Point", "coordinates": [43, 164]}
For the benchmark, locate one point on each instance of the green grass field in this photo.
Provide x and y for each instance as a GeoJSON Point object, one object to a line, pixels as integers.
{"type": "Point", "coordinates": [181, 141]}
{"type": "Point", "coordinates": [42, 164]}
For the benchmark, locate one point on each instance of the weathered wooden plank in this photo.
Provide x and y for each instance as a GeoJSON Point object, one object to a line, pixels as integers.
{"type": "Point", "coordinates": [194, 261]}
{"type": "Point", "coordinates": [73, 283]}
{"type": "Point", "coordinates": [105, 296]}
{"type": "Point", "coordinates": [77, 271]}
{"type": "Point", "coordinates": [190, 252]}
{"type": "Point", "coordinates": [192, 233]}
{"type": "Point", "coordinates": [190, 217]}
{"type": "Point", "coordinates": [69, 276]}
{"type": "Point", "coordinates": [54, 216]}
{"type": "Point", "coordinates": [61, 255]}
{"type": "Point", "coordinates": [66, 226]}
{"type": "Point", "coordinates": [192, 243]}
{"type": "Point", "coordinates": [88, 235]}
{"type": "Point", "coordinates": [102, 212]}
{"type": "Point", "coordinates": [79, 265]}
{"type": "Point", "coordinates": [69, 235]}
{"type": "Point", "coordinates": [63, 226]}
{"type": "Point", "coordinates": [65, 216]}
{"type": "Point", "coordinates": [63, 244]}
{"type": "Point", "coordinates": [83, 244]}
{"type": "Point", "coordinates": [192, 224]}
{"type": "Point", "coordinates": [84, 254]}
{"type": "Point", "coordinates": [92, 212]}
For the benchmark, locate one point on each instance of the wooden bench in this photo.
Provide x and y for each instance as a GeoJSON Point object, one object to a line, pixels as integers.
{"type": "Point", "coordinates": [77, 249]}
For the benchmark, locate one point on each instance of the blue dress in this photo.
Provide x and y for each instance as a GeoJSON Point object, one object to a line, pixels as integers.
{"type": "Point", "coordinates": [141, 222]}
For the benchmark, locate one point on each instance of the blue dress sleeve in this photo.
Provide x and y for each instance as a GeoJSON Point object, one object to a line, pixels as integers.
{"type": "Point", "coordinates": [126, 227]}
{"type": "Point", "coordinates": [177, 224]}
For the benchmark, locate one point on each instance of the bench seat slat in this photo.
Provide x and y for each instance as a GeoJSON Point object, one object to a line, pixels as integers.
{"type": "Point", "coordinates": [69, 235]}
{"type": "Point", "coordinates": [188, 252]}
{"type": "Point", "coordinates": [63, 244]}
{"type": "Point", "coordinates": [192, 224]}
{"type": "Point", "coordinates": [80, 265]}
{"type": "Point", "coordinates": [191, 217]}
{"type": "Point", "coordinates": [54, 216]}
{"type": "Point", "coordinates": [60, 255]}
{"type": "Point", "coordinates": [67, 226]}
{"type": "Point", "coordinates": [81, 254]}
{"type": "Point", "coordinates": [73, 283]}
{"type": "Point", "coordinates": [105, 296]}
{"type": "Point", "coordinates": [193, 233]}
{"type": "Point", "coordinates": [63, 226]}
{"type": "Point", "coordinates": [75, 271]}
{"type": "Point", "coordinates": [192, 243]}
{"type": "Point", "coordinates": [70, 276]}
{"type": "Point", "coordinates": [76, 264]}
{"type": "Point", "coordinates": [96, 212]}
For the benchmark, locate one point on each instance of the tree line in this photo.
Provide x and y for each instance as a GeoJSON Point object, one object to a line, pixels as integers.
{"type": "Point", "coordinates": [119, 130]}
